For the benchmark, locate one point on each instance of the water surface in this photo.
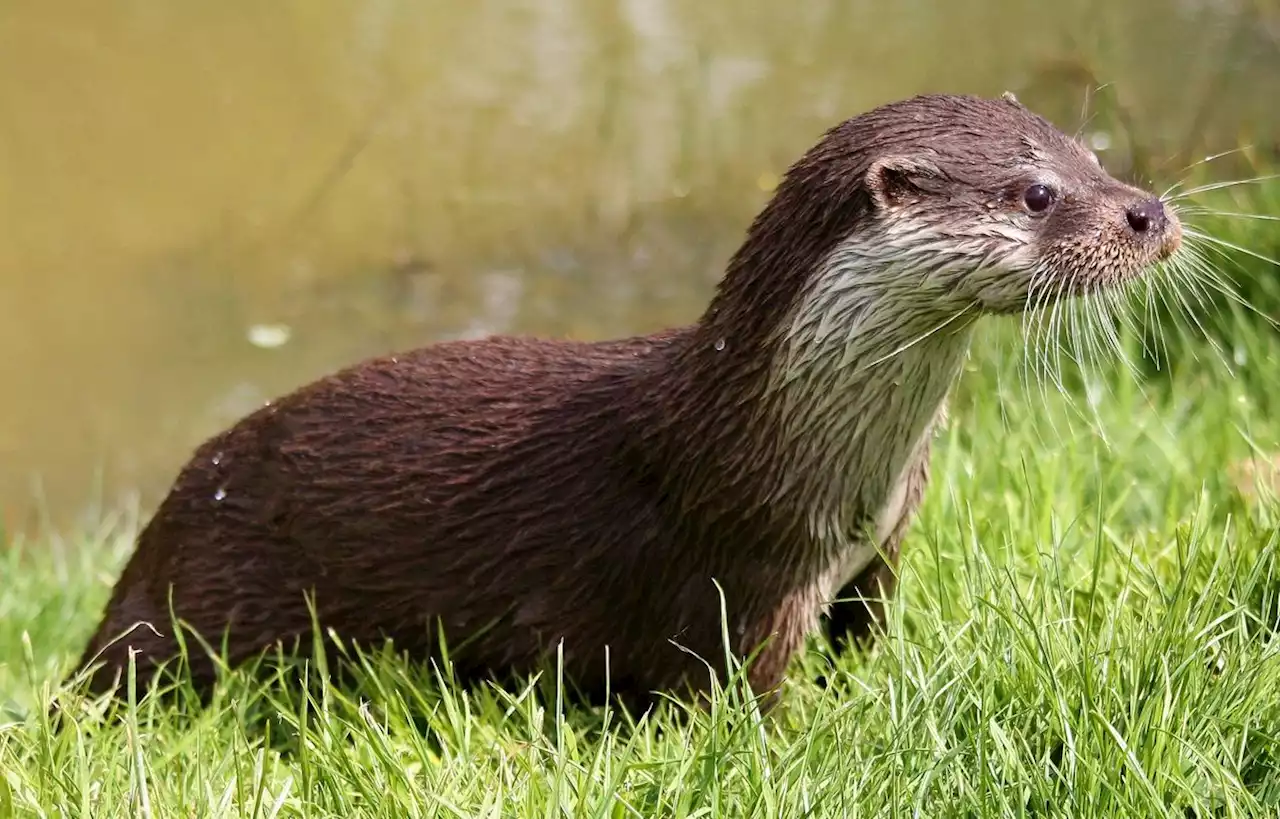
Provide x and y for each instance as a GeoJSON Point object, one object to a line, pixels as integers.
{"type": "Point", "coordinates": [205, 204]}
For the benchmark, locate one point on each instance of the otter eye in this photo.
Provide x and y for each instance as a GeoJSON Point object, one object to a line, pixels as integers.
{"type": "Point", "coordinates": [1038, 198]}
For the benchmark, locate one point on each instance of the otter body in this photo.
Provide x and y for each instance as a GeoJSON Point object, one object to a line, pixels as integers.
{"type": "Point", "coordinates": [516, 489]}
{"type": "Point", "coordinates": [526, 496]}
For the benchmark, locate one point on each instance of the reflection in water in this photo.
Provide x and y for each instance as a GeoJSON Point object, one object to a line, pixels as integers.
{"type": "Point", "coordinates": [361, 175]}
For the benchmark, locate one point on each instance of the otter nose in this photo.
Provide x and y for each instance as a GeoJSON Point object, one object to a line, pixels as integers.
{"type": "Point", "coordinates": [1147, 216]}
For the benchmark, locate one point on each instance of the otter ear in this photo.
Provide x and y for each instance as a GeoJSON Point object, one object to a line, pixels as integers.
{"type": "Point", "coordinates": [893, 180]}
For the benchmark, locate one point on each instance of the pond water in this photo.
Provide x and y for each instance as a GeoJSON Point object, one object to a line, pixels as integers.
{"type": "Point", "coordinates": [205, 204]}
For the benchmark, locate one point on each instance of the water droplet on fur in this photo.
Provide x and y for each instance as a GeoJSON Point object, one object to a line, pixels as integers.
{"type": "Point", "coordinates": [220, 495]}
{"type": "Point", "coordinates": [217, 459]}
{"type": "Point", "coordinates": [395, 360]}
{"type": "Point", "coordinates": [719, 344]}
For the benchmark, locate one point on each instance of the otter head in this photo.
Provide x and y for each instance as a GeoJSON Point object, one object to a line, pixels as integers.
{"type": "Point", "coordinates": [1001, 207]}
{"type": "Point", "coordinates": [937, 204]}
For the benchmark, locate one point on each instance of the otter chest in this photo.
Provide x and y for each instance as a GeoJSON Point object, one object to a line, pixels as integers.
{"type": "Point", "coordinates": [859, 547]}
{"type": "Point", "coordinates": [859, 392]}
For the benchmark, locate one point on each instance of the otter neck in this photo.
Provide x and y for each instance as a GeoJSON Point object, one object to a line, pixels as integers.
{"type": "Point", "coordinates": [813, 405]}
{"type": "Point", "coordinates": [861, 372]}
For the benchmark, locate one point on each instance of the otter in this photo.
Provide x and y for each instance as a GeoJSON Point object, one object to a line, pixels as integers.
{"type": "Point", "coordinates": [627, 504]}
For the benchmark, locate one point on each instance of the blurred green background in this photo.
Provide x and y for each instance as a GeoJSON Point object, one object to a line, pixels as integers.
{"type": "Point", "coordinates": [204, 204]}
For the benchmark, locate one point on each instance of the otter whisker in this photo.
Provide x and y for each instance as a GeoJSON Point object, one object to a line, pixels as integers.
{"type": "Point", "coordinates": [1036, 353]}
{"type": "Point", "coordinates": [1174, 297]}
{"type": "Point", "coordinates": [1135, 308]}
{"type": "Point", "coordinates": [1034, 320]}
{"type": "Point", "coordinates": [1114, 308]}
{"type": "Point", "coordinates": [1063, 337]}
{"type": "Point", "coordinates": [1080, 350]}
{"type": "Point", "coordinates": [1217, 186]}
{"type": "Point", "coordinates": [1083, 313]}
{"type": "Point", "coordinates": [1192, 288]}
{"type": "Point", "coordinates": [1061, 326]}
{"type": "Point", "coordinates": [1211, 275]}
{"type": "Point", "coordinates": [1213, 278]}
{"type": "Point", "coordinates": [1230, 245]}
{"type": "Point", "coordinates": [1200, 269]}
{"type": "Point", "coordinates": [1199, 162]}
{"type": "Point", "coordinates": [1198, 263]}
{"type": "Point", "coordinates": [1048, 334]}
{"type": "Point", "coordinates": [1099, 331]}
{"type": "Point", "coordinates": [913, 342]}
{"type": "Point", "coordinates": [1137, 311]}
{"type": "Point", "coordinates": [1088, 333]}
{"type": "Point", "coordinates": [1187, 271]}
{"type": "Point", "coordinates": [1157, 296]}
{"type": "Point", "coordinates": [1204, 211]}
{"type": "Point", "coordinates": [1029, 323]}
{"type": "Point", "coordinates": [1074, 334]}
{"type": "Point", "coordinates": [1149, 313]}
{"type": "Point", "coordinates": [1100, 343]}
{"type": "Point", "coordinates": [1045, 347]}
{"type": "Point", "coordinates": [1108, 316]}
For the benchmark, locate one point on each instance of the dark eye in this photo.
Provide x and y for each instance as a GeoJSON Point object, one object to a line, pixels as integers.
{"type": "Point", "coordinates": [1038, 198]}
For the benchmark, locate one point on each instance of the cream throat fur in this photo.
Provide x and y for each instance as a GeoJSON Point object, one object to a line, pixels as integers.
{"type": "Point", "coordinates": [865, 369]}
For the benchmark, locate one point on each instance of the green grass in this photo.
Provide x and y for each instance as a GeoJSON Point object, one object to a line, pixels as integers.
{"type": "Point", "coordinates": [1087, 626]}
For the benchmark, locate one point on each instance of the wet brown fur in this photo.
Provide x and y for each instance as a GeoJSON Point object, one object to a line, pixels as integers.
{"type": "Point", "coordinates": [539, 491]}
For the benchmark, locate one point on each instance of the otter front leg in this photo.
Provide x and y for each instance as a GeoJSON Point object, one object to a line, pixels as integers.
{"type": "Point", "coordinates": [858, 608]}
